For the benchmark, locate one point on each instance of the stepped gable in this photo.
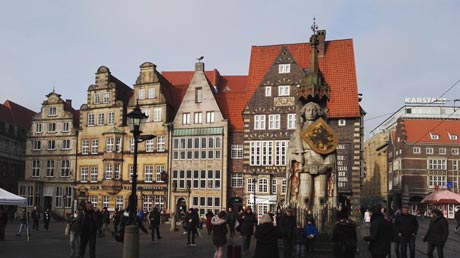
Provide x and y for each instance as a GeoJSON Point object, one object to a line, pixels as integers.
{"type": "Point", "coordinates": [337, 66]}
{"type": "Point", "coordinates": [421, 130]}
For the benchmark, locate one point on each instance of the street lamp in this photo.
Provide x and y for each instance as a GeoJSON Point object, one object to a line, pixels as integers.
{"type": "Point", "coordinates": [135, 120]}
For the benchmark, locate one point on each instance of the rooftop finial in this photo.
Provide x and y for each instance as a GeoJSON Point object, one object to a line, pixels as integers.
{"type": "Point", "coordinates": [200, 58]}
{"type": "Point", "coordinates": [54, 83]}
{"type": "Point", "coordinates": [314, 27]}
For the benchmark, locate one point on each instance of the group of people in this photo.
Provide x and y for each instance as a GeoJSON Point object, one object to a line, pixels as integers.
{"type": "Point", "coordinates": [35, 216]}
{"type": "Point", "coordinates": [401, 229]}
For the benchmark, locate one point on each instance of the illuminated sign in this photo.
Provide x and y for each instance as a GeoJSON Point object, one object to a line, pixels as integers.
{"type": "Point", "coordinates": [425, 100]}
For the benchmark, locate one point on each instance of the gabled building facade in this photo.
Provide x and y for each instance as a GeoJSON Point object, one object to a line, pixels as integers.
{"type": "Point", "coordinates": [51, 156]}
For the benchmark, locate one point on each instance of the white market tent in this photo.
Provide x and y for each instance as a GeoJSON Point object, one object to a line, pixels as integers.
{"type": "Point", "coordinates": [7, 198]}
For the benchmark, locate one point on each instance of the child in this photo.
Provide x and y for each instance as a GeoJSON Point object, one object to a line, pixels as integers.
{"type": "Point", "coordinates": [311, 231]}
{"type": "Point", "coordinates": [299, 240]}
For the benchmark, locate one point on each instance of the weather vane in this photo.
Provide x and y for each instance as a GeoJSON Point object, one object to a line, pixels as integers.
{"type": "Point", "coordinates": [314, 27]}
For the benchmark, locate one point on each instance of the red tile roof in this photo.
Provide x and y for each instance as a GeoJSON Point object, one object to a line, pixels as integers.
{"type": "Point", "coordinates": [337, 66]}
{"type": "Point", "coordinates": [420, 130]}
{"type": "Point", "coordinates": [19, 115]}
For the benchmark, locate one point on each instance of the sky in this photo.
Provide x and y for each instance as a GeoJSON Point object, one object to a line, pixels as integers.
{"type": "Point", "coordinates": [402, 48]}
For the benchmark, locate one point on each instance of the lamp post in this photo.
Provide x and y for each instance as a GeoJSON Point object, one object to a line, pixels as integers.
{"type": "Point", "coordinates": [135, 121]}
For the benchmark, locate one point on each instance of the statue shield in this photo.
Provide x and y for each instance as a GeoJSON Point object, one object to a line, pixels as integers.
{"type": "Point", "coordinates": [320, 137]}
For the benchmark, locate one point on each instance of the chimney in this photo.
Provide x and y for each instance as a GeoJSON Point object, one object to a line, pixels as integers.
{"type": "Point", "coordinates": [322, 42]}
{"type": "Point", "coordinates": [199, 66]}
{"type": "Point", "coordinates": [68, 102]}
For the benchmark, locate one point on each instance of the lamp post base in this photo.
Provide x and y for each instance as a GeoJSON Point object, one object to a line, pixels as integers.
{"type": "Point", "coordinates": [131, 242]}
{"type": "Point", "coordinates": [173, 223]}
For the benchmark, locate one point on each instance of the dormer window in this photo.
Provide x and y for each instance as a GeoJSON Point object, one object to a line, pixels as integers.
{"type": "Point", "coordinates": [96, 98]}
{"type": "Point", "coordinates": [453, 137]}
{"type": "Point", "coordinates": [434, 136]}
{"type": "Point", "coordinates": [52, 111]}
{"type": "Point", "coordinates": [284, 68]}
{"type": "Point", "coordinates": [106, 97]}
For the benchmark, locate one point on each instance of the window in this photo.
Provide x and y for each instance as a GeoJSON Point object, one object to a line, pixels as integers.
{"type": "Point", "coordinates": [35, 168]}
{"type": "Point", "coordinates": [96, 98]}
{"type": "Point", "coordinates": [119, 202]}
{"type": "Point", "coordinates": [51, 145]}
{"type": "Point", "coordinates": [66, 144]}
{"type": "Point", "coordinates": [268, 91]}
{"type": "Point", "coordinates": [36, 145]}
{"type": "Point", "coordinates": [94, 146]}
{"type": "Point", "coordinates": [198, 95]}
{"type": "Point", "coordinates": [237, 151]}
{"type": "Point", "coordinates": [52, 111]}
{"type": "Point", "coordinates": [151, 92]}
{"type": "Point", "coordinates": [106, 97]}
{"type": "Point", "coordinates": [284, 90]}
{"type": "Point", "coordinates": [454, 164]}
{"type": "Point", "coordinates": [429, 150]}
{"type": "Point", "coordinates": [159, 170]}
{"type": "Point", "coordinates": [109, 144]}
{"type": "Point", "coordinates": [149, 145]}
{"type": "Point", "coordinates": [93, 175]}
{"type": "Point", "coordinates": [118, 144]}
{"type": "Point", "coordinates": [58, 197]}
{"type": "Point", "coordinates": [50, 168]}
{"type": "Point", "coordinates": [84, 147]}
{"type": "Point", "coordinates": [291, 121]}
{"type": "Point", "coordinates": [65, 126]}
{"type": "Point", "coordinates": [210, 117]}
{"type": "Point", "coordinates": [141, 93]}
{"type": "Point", "coordinates": [84, 174]}
{"type": "Point", "coordinates": [437, 164]}
{"type": "Point", "coordinates": [90, 119]}
{"type": "Point", "coordinates": [453, 137]}
{"type": "Point", "coordinates": [108, 171]}
{"type": "Point", "coordinates": [259, 122]}
{"type": "Point", "coordinates": [198, 118]}
{"type": "Point", "coordinates": [147, 203]}
{"type": "Point", "coordinates": [342, 122]}
{"type": "Point", "coordinates": [455, 151]}
{"type": "Point", "coordinates": [250, 184]}
{"type": "Point", "coordinates": [436, 181]}
{"type": "Point", "coordinates": [273, 122]}
{"type": "Point", "coordinates": [105, 201]}
{"type": "Point", "coordinates": [159, 201]}
{"type": "Point", "coordinates": [93, 200]}
{"type": "Point", "coordinates": [186, 118]}
{"type": "Point", "coordinates": [52, 127]}
{"type": "Point", "coordinates": [262, 208]}
{"type": "Point", "coordinates": [284, 68]}
{"type": "Point", "coordinates": [434, 136]}
{"type": "Point", "coordinates": [117, 171]}
{"type": "Point", "coordinates": [237, 180]}
{"type": "Point", "coordinates": [274, 186]}
{"type": "Point", "coordinates": [416, 150]}
{"type": "Point", "coordinates": [263, 185]}
{"type": "Point", "coordinates": [160, 143]}
{"type": "Point", "coordinates": [157, 114]}
{"type": "Point", "coordinates": [148, 173]}
{"type": "Point", "coordinates": [111, 118]}
{"type": "Point", "coordinates": [38, 128]}
{"type": "Point", "coordinates": [283, 186]}
{"type": "Point", "coordinates": [442, 151]}
{"type": "Point", "coordinates": [65, 168]}
{"type": "Point", "coordinates": [262, 153]}
{"type": "Point", "coordinates": [100, 119]}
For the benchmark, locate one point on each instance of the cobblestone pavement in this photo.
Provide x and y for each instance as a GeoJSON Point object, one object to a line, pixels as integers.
{"type": "Point", "coordinates": [54, 244]}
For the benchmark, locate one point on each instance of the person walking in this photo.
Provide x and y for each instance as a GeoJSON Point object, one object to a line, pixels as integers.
{"type": "Point", "coordinates": [367, 218]}
{"type": "Point", "coordinates": [219, 233]}
{"type": "Point", "coordinates": [231, 221]}
{"type": "Point", "coordinates": [311, 232]}
{"type": "Point", "coordinates": [87, 220]}
{"type": "Point", "coordinates": [116, 220]}
{"type": "Point", "coordinates": [190, 223]}
{"type": "Point", "coordinates": [381, 235]}
{"type": "Point", "coordinates": [75, 229]}
{"type": "Point", "coordinates": [35, 218]}
{"type": "Point", "coordinates": [344, 237]}
{"type": "Point", "coordinates": [457, 219]}
{"type": "Point", "coordinates": [406, 226]}
{"type": "Point", "coordinates": [299, 240]}
{"type": "Point", "coordinates": [287, 226]}
{"type": "Point", "coordinates": [437, 233]}
{"type": "Point", "coordinates": [46, 219]}
{"type": "Point", "coordinates": [267, 238]}
{"type": "Point", "coordinates": [154, 220]}
{"type": "Point", "coordinates": [105, 220]}
{"type": "Point", "coordinates": [3, 222]}
{"type": "Point", "coordinates": [23, 222]}
{"type": "Point", "coordinates": [247, 223]}
{"type": "Point", "coordinates": [209, 217]}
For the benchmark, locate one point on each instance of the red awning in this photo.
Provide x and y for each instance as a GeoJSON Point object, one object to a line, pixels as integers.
{"type": "Point", "coordinates": [442, 197]}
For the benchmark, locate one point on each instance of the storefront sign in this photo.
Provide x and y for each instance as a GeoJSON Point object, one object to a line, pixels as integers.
{"type": "Point", "coordinates": [425, 100]}
{"type": "Point", "coordinates": [344, 167]}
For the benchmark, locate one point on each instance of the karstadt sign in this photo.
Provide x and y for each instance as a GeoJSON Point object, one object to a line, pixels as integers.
{"type": "Point", "coordinates": [425, 100]}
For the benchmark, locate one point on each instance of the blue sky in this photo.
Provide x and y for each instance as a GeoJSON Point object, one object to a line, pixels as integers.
{"type": "Point", "coordinates": [402, 48]}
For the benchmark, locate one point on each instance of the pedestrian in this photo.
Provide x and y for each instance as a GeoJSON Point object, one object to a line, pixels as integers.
{"type": "Point", "coordinates": [209, 217]}
{"type": "Point", "coordinates": [154, 220]}
{"type": "Point", "coordinates": [116, 220]}
{"type": "Point", "coordinates": [190, 224]}
{"type": "Point", "coordinates": [75, 229]}
{"type": "Point", "coordinates": [88, 233]}
{"type": "Point", "coordinates": [367, 218]}
{"type": "Point", "coordinates": [287, 226]}
{"type": "Point", "coordinates": [406, 226]}
{"type": "Point", "coordinates": [457, 219]}
{"type": "Point", "coordinates": [311, 232]}
{"type": "Point", "coordinates": [23, 222]}
{"type": "Point", "coordinates": [344, 238]}
{"type": "Point", "coordinates": [105, 220]}
{"type": "Point", "coordinates": [247, 223]}
{"type": "Point", "coordinates": [299, 240]}
{"type": "Point", "coordinates": [3, 222]}
{"type": "Point", "coordinates": [35, 218]}
{"type": "Point", "coordinates": [219, 233]}
{"type": "Point", "coordinates": [98, 216]}
{"type": "Point", "coordinates": [267, 238]}
{"type": "Point", "coordinates": [231, 220]}
{"type": "Point", "coordinates": [381, 235]}
{"type": "Point", "coordinates": [46, 219]}
{"type": "Point", "coordinates": [437, 233]}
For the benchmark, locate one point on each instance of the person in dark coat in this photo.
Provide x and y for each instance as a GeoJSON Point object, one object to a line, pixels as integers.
{"type": "Point", "coordinates": [116, 220]}
{"type": "Point", "coordinates": [406, 226]}
{"type": "Point", "coordinates": [231, 221]}
{"type": "Point", "coordinates": [287, 226]}
{"type": "Point", "coordinates": [46, 219]}
{"type": "Point", "coordinates": [437, 233]}
{"type": "Point", "coordinates": [344, 238]}
{"type": "Point", "coordinates": [457, 219]}
{"type": "Point", "coordinates": [105, 220]}
{"type": "Point", "coordinates": [247, 222]}
{"type": "Point", "coordinates": [35, 218]}
{"type": "Point", "coordinates": [267, 239]}
{"type": "Point", "coordinates": [190, 223]}
{"type": "Point", "coordinates": [209, 216]}
{"type": "Point", "coordinates": [154, 219]}
{"type": "Point", "coordinates": [88, 230]}
{"type": "Point", "coordinates": [3, 222]}
{"type": "Point", "coordinates": [381, 235]}
{"type": "Point", "coordinates": [219, 233]}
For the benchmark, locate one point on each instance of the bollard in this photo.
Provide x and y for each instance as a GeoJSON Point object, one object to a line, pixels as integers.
{"type": "Point", "coordinates": [131, 242]}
